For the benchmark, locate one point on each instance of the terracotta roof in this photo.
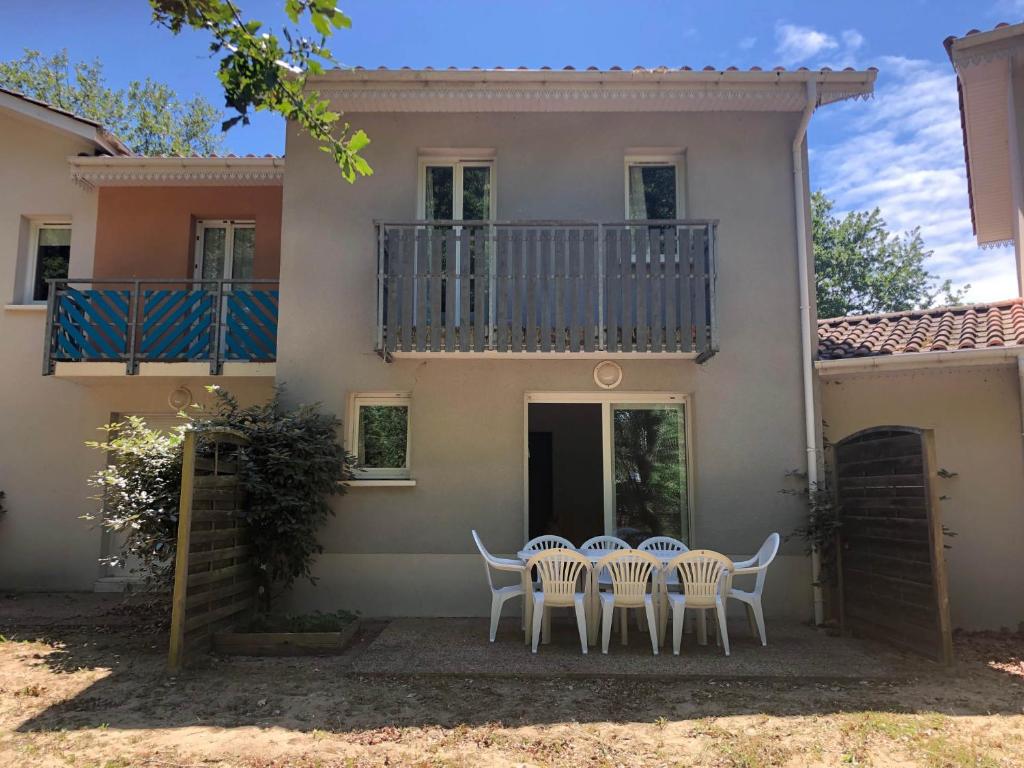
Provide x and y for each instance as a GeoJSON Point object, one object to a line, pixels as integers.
{"type": "Point", "coordinates": [942, 329]}
{"type": "Point", "coordinates": [111, 142]}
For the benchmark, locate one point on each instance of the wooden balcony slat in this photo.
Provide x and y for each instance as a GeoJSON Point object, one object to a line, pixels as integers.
{"type": "Point", "coordinates": [686, 259]}
{"type": "Point", "coordinates": [546, 288]}
{"type": "Point", "coordinates": [671, 308]}
{"type": "Point", "coordinates": [700, 275]}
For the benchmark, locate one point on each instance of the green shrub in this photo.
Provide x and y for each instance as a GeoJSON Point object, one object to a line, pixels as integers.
{"type": "Point", "coordinates": [290, 466]}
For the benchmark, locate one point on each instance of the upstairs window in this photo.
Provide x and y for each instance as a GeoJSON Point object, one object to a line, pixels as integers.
{"type": "Point", "coordinates": [225, 250]}
{"type": "Point", "coordinates": [380, 435]}
{"type": "Point", "coordinates": [652, 189]}
{"type": "Point", "coordinates": [49, 256]}
{"type": "Point", "coordinates": [456, 189]}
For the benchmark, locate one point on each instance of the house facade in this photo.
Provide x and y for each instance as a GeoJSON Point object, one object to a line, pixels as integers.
{"type": "Point", "coordinates": [138, 237]}
{"type": "Point", "coordinates": [546, 272]}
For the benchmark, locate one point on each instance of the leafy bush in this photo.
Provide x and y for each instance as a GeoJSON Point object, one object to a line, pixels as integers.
{"type": "Point", "coordinates": [291, 465]}
{"type": "Point", "coordinates": [139, 493]}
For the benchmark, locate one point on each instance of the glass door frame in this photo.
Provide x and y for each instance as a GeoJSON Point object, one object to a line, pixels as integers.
{"type": "Point", "coordinates": [607, 400]}
{"type": "Point", "coordinates": [229, 226]}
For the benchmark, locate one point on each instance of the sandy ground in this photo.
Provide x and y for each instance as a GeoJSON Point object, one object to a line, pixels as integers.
{"type": "Point", "coordinates": [92, 692]}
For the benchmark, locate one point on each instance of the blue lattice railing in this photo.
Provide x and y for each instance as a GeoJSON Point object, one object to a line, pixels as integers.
{"type": "Point", "coordinates": [135, 321]}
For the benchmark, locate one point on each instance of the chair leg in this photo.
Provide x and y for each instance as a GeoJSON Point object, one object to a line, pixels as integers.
{"type": "Point", "coordinates": [678, 614]}
{"type": "Point", "coordinates": [495, 614]}
{"type": "Point", "coordinates": [607, 614]}
{"type": "Point", "coordinates": [723, 630]}
{"type": "Point", "coordinates": [758, 612]}
{"type": "Point", "coordinates": [538, 619]}
{"type": "Point", "coordinates": [581, 623]}
{"type": "Point", "coordinates": [652, 624]}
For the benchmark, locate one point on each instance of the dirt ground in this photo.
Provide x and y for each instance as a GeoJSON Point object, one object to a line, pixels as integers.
{"type": "Point", "coordinates": [94, 693]}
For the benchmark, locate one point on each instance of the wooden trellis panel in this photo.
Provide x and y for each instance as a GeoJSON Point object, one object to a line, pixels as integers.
{"type": "Point", "coordinates": [892, 565]}
{"type": "Point", "coordinates": [214, 585]}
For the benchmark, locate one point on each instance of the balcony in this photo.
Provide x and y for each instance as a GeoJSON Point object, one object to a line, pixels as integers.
{"type": "Point", "coordinates": [133, 326]}
{"type": "Point", "coordinates": [546, 288]}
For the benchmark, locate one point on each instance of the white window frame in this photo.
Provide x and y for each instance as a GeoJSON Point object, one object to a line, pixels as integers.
{"type": "Point", "coordinates": [676, 160]}
{"type": "Point", "coordinates": [608, 399]}
{"type": "Point", "coordinates": [458, 162]}
{"type": "Point", "coordinates": [229, 225]}
{"type": "Point", "coordinates": [31, 262]}
{"type": "Point", "coordinates": [371, 475]}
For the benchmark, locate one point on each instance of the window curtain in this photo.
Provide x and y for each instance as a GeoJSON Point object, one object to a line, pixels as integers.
{"type": "Point", "coordinates": [637, 199]}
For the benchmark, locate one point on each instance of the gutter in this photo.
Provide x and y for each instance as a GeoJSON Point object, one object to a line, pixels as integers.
{"type": "Point", "coordinates": [807, 350]}
{"type": "Point", "coordinates": [911, 360]}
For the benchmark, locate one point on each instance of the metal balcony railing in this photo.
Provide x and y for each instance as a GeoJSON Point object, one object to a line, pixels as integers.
{"type": "Point", "coordinates": [165, 321]}
{"type": "Point", "coordinates": [547, 286]}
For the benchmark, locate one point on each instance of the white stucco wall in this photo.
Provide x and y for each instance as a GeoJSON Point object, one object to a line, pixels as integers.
{"type": "Point", "coordinates": [975, 415]}
{"type": "Point", "coordinates": [467, 416]}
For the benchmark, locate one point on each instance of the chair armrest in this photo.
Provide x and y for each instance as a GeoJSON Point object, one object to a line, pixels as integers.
{"type": "Point", "coordinates": [745, 563]}
{"type": "Point", "coordinates": [744, 571]}
{"type": "Point", "coordinates": [503, 564]}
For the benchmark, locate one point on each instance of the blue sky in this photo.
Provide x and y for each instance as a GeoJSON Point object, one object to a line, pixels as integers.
{"type": "Point", "coordinates": [901, 151]}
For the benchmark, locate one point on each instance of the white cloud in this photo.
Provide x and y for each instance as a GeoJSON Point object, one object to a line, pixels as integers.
{"type": "Point", "coordinates": [795, 44]}
{"type": "Point", "coordinates": [852, 39]}
{"type": "Point", "coordinates": [747, 43]}
{"type": "Point", "coordinates": [903, 152]}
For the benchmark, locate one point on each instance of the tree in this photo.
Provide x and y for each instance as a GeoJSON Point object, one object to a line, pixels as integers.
{"type": "Point", "coordinates": [147, 115]}
{"type": "Point", "coordinates": [259, 72]}
{"type": "Point", "coordinates": [863, 268]}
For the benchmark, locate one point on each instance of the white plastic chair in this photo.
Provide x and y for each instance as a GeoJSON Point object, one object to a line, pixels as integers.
{"type": "Point", "coordinates": [704, 577]}
{"type": "Point", "coordinates": [670, 578]}
{"type": "Point", "coordinates": [603, 542]}
{"type": "Point", "coordinates": [499, 595]}
{"type": "Point", "coordinates": [631, 572]}
{"type": "Point", "coordinates": [547, 542]}
{"type": "Point", "coordinates": [560, 573]}
{"type": "Point", "coordinates": [758, 566]}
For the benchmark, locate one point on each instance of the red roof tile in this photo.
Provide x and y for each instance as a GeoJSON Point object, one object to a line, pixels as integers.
{"type": "Point", "coordinates": [973, 326]}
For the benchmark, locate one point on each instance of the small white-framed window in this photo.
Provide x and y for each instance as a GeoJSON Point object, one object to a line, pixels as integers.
{"type": "Point", "coordinates": [225, 249]}
{"type": "Point", "coordinates": [453, 187]}
{"type": "Point", "coordinates": [655, 187]}
{"type": "Point", "coordinates": [379, 432]}
{"type": "Point", "coordinates": [49, 256]}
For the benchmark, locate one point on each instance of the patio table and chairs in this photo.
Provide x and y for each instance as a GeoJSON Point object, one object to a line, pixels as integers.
{"type": "Point", "coordinates": [659, 578]}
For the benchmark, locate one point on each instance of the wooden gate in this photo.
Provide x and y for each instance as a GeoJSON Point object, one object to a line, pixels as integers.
{"type": "Point", "coordinates": [892, 571]}
{"type": "Point", "coordinates": [214, 586]}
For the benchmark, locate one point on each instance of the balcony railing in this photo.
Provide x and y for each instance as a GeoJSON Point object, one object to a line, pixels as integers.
{"type": "Point", "coordinates": [161, 321]}
{"type": "Point", "coordinates": [547, 287]}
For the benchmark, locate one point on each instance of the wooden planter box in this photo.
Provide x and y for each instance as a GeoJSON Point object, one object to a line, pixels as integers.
{"type": "Point", "coordinates": [284, 643]}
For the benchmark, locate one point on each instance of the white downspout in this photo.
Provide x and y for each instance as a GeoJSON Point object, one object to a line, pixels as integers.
{"type": "Point", "coordinates": [806, 348]}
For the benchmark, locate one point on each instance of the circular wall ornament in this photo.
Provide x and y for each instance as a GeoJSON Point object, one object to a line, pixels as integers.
{"type": "Point", "coordinates": [607, 374]}
{"type": "Point", "coordinates": [180, 398]}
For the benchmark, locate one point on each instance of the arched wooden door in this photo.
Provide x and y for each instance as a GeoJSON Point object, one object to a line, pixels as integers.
{"type": "Point", "coordinates": [891, 562]}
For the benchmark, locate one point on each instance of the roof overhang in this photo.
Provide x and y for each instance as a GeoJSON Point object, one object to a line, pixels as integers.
{"type": "Point", "coordinates": [984, 65]}
{"type": "Point", "coordinates": [65, 122]}
{"type": "Point", "coordinates": [177, 171]}
{"type": "Point", "coordinates": [533, 90]}
{"type": "Point", "coordinates": [954, 358]}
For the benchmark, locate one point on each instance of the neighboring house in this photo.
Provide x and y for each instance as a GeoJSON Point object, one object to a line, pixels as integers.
{"type": "Point", "coordinates": [958, 371]}
{"type": "Point", "coordinates": [577, 294]}
{"type": "Point", "coordinates": [74, 203]}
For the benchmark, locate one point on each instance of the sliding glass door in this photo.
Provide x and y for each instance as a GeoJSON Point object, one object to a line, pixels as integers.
{"type": "Point", "coordinates": [644, 474]}
{"type": "Point", "coordinates": [649, 471]}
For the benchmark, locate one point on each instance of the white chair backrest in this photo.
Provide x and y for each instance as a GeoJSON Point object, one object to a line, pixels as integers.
{"type": "Point", "coordinates": [559, 571]}
{"type": "Point", "coordinates": [765, 555]}
{"type": "Point", "coordinates": [703, 574]}
{"type": "Point", "coordinates": [604, 542]}
{"type": "Point", "coordinates": [630, 571]}
{"type": "Point", "coordinates": [488, 558]}
{"type": "Point", "coordinates": [663, 544]}
{"type": "Point", "coordinates": [547, 542]}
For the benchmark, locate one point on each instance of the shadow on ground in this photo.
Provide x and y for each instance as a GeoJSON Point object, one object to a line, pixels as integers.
{"type": "Point", "coordinates": [107, 670]}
